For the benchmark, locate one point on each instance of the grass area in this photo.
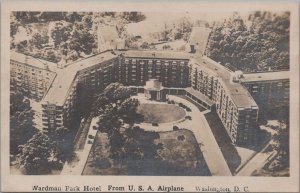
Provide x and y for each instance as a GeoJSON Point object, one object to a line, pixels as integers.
{"type": "Point", "coordinates": [160, 113]}
{"type": "Point", "coordinates": [228, 149]}
{"type": "Point", "coordinates": [102, 154]}
{"type": "Point", "coordinates": [180, 156]}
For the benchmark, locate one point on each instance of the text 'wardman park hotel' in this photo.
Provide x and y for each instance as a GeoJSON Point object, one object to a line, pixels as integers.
{"type": "Point", "coordinates": [65, 90]}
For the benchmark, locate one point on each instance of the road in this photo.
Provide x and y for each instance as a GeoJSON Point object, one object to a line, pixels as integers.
{"type": "Point", "coordinates": [82, 133]}
{"type": "Point", "coordinates": [257, 162]}
{"type": "Point", "coordinates": [76, 166]}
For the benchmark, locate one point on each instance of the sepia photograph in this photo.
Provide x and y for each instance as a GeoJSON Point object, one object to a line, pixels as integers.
{"type": "Point", "coordinates": [150, 93]}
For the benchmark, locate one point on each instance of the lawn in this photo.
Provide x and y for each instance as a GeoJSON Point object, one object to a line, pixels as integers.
{"type": "Point", "coordinates": [102, 154]}
{"type": "Point", "coordinates": [180, 156]}
{"type": "Point", "coordinates": [160, 113]}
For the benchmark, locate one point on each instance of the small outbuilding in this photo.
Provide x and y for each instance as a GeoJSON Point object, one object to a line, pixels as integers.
{"type": "Point", "coordinates": [154, 90]}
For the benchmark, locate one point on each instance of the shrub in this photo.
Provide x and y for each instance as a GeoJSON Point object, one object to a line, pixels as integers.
{"type": "Point", "coordinates": [181, 138]}
{"type": "Point", "coordinates": [175, 128]}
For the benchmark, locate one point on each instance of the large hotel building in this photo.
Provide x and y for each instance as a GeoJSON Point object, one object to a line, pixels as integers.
{"type": "Point", "coordinates": [236, 97]}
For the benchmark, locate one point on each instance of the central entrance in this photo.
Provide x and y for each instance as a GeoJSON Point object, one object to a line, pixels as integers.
{"type": "Point", "coordinates": [154, 90]}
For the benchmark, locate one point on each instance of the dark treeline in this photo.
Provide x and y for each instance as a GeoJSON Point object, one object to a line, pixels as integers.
{"type": "Point", "coordinates": [258, 43]}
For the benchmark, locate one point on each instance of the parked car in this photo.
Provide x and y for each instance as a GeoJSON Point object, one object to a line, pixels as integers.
{"type": "Point", "coordinates": [188, 117]}
{"type": "Point", "coordinates": [91, 137]}
{"type": "Point", "coordinates": [155, 124]}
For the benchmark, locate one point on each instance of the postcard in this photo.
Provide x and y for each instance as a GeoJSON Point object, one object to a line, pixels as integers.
{"type": "Point", "coordinates": [169, 96]}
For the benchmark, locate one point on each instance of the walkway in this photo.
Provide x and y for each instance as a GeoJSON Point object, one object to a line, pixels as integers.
{"type": "Point", "coordinates": [207, 142]}
{"type": "Point", "coordinates": [76, 166]}
{"type": "Point", "coordinates": [257, 162]}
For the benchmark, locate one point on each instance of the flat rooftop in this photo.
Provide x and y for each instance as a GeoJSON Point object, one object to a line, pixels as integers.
{"type": "Point", "coordinates": [157, 54]}
{"type": "Point", "coordinates": [199, 95]}
{"type": "Point", "coordinates": [31, 61]}
{"type": "Point", "coordinates": [59, 89]}
{"type": "Point", "coordinates": [266, 76]}
{"type": "Point", "coordinates": [239, 95]}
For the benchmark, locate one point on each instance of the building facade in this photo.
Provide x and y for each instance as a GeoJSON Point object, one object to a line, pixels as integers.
{"type": "Point", "coordinates": [31, 76]}
{"type": "Point", "coordinates": [68, 93]}
{"type": "Point", "coordinates": [234, 105]}
{"type": "Point", "coordinates": [270, 90]}
{"type": "Point", "coordinates": [137, 67]}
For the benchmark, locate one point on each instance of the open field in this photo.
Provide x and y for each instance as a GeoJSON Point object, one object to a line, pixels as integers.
{"type": "Point", "coordinates": [160, 113]}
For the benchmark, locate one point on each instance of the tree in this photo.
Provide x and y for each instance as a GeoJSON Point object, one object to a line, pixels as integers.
{"type": "Point", "coordinates": [113, 93]}
{"type": "Point", "coordinates": [27, 16]}
{"type": "Point", "coordinates": [13, 27]}
{"type": "Point", "coordinates": [38, 40]}
{"type": "Point", "coordinates": [116, 91]}
{"type": "Point", "coordinates": [35, 155]}
{"type": "Point", "coordinates": [52, 16]}
{"type": "Point", "coordinates": [145, 45]}
{"type": "Point", "coordinates": [73, 16]}
{"type": "Point", "coordinates": [82, 41]}
{"type": "Point", "coordinates": [133, 16]}
{"type": "Point", "coordinates": [60, 33]}
{"type": "Point", "coordinates": [281, 144]}
{"type": "Point", "coordinates": [117, 112]}
{"type": "Point", "coordinates": [127, 109]}
{"type": "Point", "coordinates": [52, 56]}
{"type": "Point", "coordinates": [109, 121]}
{"type": "Point", "coordinates": [262, 46]}
{"type": "Point", "coordinates": [131, 42]}
{"type": "Point", "coordinates": [87, 21]}
{"type": "Point", "coordinates": [100, 103]}
{"type": "Point", "coordinates": [183, 29]}
{"type": "Point", "coordinates": [21, 121]}
{"type": "Point", "coordinates": [62, 144]}
{"type": "Point", "coordinates": [133, 145]}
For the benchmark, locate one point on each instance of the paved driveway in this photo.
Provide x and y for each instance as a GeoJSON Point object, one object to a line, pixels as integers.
{"type": "Point", "coordinates": [206, 140]}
